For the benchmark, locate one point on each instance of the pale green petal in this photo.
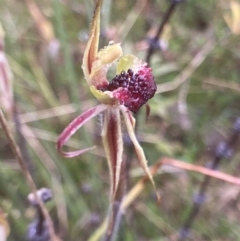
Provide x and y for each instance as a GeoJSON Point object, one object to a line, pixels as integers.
{"type": "Point", "coordinates": [110, 54]}
{"type": "Point", "coordinates": [103, 97]}
{"type": "Point", "coordinates": [126, 62]}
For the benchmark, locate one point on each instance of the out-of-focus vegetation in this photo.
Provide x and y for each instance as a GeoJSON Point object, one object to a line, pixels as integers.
{"type": "Point", "coordinates": [194, 109]}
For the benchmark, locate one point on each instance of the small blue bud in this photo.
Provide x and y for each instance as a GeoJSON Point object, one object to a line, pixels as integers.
{"type": "Point", "coordinates": [236, 125]}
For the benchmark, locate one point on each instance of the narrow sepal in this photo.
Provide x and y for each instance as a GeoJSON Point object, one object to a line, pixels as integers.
{"type": "Point", "coordinates": [113, 144]}
{"type": "Point", "coordinates": [92, 46]}
{"type": "Point", "coordinates": [74, 126]}
{"type": "Point", "coordinates": [130, 123]}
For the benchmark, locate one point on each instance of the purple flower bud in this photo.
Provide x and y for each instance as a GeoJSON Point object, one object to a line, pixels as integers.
{"type": "Point", "coordinates": [199, 198]}
{"type": "Point", "coordinates": [223, 151]}
{"type": "Point", "coordinates": [44, 193]}
{"type": "Point", "coordinates": [184, 233]}
{"type": "Point", "coordinates": [236, 126]}
{"type": "Point", "coordinates": [38, 231]}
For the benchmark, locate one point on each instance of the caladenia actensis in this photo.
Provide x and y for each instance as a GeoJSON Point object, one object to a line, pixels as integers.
{"type": "Point", "coordinates": [131, 88]}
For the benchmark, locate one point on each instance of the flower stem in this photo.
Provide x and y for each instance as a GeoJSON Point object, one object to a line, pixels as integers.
{"type": "Point", "coordinates": [115, 213]}
{"type": "Point", "coordinates": [114, 223]}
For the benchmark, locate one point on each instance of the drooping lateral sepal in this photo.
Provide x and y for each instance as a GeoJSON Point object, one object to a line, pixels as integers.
{"type": "Point", "coordinates": [130, 124]}
{"type": "Point", "coordinates": [113, 144]}
{"type": "Point", "coordinates": [74, 126]}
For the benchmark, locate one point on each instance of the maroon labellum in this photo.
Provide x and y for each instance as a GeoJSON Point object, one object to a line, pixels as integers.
{"type": "Point", "coordinates": [133, 89]}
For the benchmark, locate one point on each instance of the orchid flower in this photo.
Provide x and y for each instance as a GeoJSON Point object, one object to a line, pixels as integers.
{"type": "Point", "coordinates": [131, 88]}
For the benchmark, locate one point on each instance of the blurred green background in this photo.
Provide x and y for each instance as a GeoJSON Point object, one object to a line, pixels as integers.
{"type": "Point", "coordinates": [194, 109]}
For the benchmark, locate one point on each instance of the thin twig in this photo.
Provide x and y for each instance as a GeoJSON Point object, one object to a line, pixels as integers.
{"type": "Point", "coordinates": [21, 140]}
{"type": "Point", "coordinates": [27, 175]}
{"type": "Point", "coordinates": [55, 176]}
{"type": "Point", "coordinates": [202, 170]}
{"type": "Point", "coordinates": [153, 42]}
{"type": "Point", "coordinates": [221, 84]}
